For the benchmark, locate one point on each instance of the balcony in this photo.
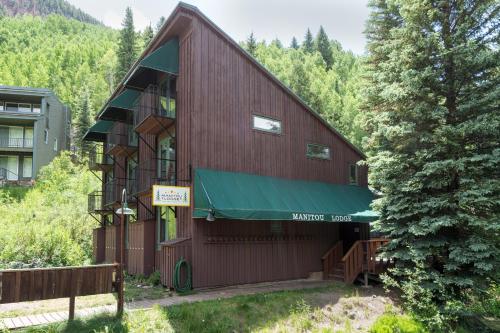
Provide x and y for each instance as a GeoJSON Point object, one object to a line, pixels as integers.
{"type": "Point", "coordinates": [121, 141]}
{"type": "Point", "coordinates": [147, 174]}
{"type": "Point", "coordinates": [155, 113]}
{"type": "Point", "coordinates": [98, 161]}
{"type": "Point", "coordinates": [16, 143]}
{"type": "Point", "coordinates": [96, 203]}
{"type": "Point", "coordinates": [113, 191]}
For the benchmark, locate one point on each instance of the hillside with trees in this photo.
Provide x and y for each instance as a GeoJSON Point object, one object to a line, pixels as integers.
{"type": "Point", "coordinates": [44, 8]}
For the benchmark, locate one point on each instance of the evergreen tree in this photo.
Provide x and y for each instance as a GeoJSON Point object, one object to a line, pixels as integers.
{"type": "Point", "coordinates": [434, 151]}
{"type": "Point", "coordinates": [147, 35]}
{"type": "Point", "coordinates": [127, 45]}
{"type": "Point", "coordinates": [82, 123]}
{"type": "Point", "coordinates": [308, 44]}
{"type": "Point", "coordinates": [251, 44]}
{"type": "Point", "coordinates": [294, 44]}
{"type": "Point", "coordinates": [160, 23]}
{"type": "Point", "coordinates": [322, 45]}
{"type": "Point", "coordinates": [276, 42]}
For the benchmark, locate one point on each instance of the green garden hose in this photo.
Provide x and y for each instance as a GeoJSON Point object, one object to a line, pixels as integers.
{"type": "Point", "coordinates": [177, 276]}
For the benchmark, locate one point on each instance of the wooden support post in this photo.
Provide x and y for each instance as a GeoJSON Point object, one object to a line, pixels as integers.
{"type": "Point", "coordinates": [72, 307]}
{"type": "Point", "coordinates": [122, 266]}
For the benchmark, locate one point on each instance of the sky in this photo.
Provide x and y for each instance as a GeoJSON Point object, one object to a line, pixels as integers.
{"type": "Point", "coordinates": [343, 20]}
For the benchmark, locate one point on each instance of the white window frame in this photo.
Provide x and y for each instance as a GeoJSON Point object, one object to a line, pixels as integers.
{"type": "Point", "coordinates": [46, 136]}
{"type": "Point", "coordinates": [259, 117]}
{"type": "Point", "coordinates": [55, 144]}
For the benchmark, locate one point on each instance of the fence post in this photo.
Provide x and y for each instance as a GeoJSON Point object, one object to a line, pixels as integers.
{"type": "Point", "coordinates": [72, 293]}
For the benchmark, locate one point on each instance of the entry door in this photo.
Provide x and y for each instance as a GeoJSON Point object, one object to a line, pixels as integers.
{"type": "Point", "coordinates": [27, 167]}
{"type": "Point", "coordinates": [351, 232]}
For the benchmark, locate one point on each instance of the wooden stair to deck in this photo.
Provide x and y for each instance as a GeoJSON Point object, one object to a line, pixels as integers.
{"type": "Point", "coordinates": [361, 257]}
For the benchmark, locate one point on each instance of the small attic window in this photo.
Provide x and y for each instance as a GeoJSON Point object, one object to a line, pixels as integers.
{"type": "Point", "coordinates": [266, 124]}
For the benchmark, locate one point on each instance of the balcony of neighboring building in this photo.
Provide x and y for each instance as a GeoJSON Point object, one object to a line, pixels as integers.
{"type": "Point", "coordinates": [156, 171]}
{"type": "Point", "coordinates": [96, 203]}
{"type": "Point", "coordinates": [20, 108]}
{"type": "Point", "coordinates": [113, 189]}
{"type": "Point", "coordinates": [16, 138]}
{"type": "Point", "coordinates": [121, 141]}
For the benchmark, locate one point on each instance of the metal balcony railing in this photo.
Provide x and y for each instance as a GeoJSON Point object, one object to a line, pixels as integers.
{"type": "Point", "coordinates": [96, 202]}
{"type": "Point", "coordinates": [6, 175]}
{"type": "Point", "coordinates": [16, 143]}
{"type": "Point", "coordinates": [97, 157]}
{"type": "Point", "coordinates": [121, 135]}
{"type": "Point", "coordinates": [113, 191]}
{"type": "Point", "coordinates": [152, 104]}
{"type": "Point", "coordinates": [154, 172]}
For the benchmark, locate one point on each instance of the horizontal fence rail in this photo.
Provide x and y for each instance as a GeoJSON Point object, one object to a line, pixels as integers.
{"type": "Point", "coordinates": [22, 285]}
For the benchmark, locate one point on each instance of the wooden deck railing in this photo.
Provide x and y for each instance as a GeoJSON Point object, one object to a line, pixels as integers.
{"type": "Point", "coordinates": [362, 256]}
{"type": "Point", "coordinates": [332, 257]}
{"type": "Point", "coordinates": [22, 285]}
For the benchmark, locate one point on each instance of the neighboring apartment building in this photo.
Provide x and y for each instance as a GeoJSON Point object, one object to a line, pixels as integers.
{"type": "Point", "coordinates": [275, 191]}
{"type": "Point", "coordinates": [34, 128]}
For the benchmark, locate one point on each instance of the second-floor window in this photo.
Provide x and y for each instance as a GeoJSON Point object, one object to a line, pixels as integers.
{"type": "Point", "coordinates": [16, 137]}
{"type": "Point", "coordinates": [19, 107]}
{"type": "Point", "coordinates": [315, 150]}
{"type": "Point", "coordinates": [167, 98]}
{"type": "Point", "coordinates": [266, 124]}
{"type": "Point", "coordinates": [166, 159]}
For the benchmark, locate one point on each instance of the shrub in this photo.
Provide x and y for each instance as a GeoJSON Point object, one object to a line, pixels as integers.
{"type": "Point", "coordinates": [392, 323]}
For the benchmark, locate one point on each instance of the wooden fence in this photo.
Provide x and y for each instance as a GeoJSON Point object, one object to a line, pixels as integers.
{"type": "Point", "coordinates": [22, 285]}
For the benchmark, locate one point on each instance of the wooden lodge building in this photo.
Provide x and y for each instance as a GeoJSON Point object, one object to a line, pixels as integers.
{"type": "Point", "coordinates": [275, 191]}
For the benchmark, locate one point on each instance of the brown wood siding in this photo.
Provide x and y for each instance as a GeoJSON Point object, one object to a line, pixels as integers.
{"type": "Point", "coordinates": [170, 253]}
{"type": "Point", "coordinates": [236, 252]}
{"type": "Point", "coordinates": [98, 244]}
{"type": "Point", "coordinates": [140, 250]}
{"type": "Point", "coordinates": [111, 252]}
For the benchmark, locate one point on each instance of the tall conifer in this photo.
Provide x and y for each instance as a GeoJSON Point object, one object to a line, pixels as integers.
{"type": "Point", "coordinates": [434, 150]}
{"type": "Point", "coordinates": [83, 117]}
{"type": "Point", "coordinates": [294, 44]}
{"type": "Point", "coordinates": [147, 35]}
{"type": "Point", "coordinates": [127, 44]}
{"type": "Point", "coordinates": [251, 44]}
{"type": "Point", "coordinates": [322, 45]}
{"type": "Point", "coordinates": [308, 44]}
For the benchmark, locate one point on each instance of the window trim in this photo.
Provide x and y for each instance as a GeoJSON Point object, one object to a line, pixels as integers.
{"type": "Point", "coordinates": [56, 147]}
{"type": "Point", "coordinates": [264, 130]}
{"type": "Point", "coordinates": [46, 136]}
{"type": "Point", "coordinates": [329, 158]}
{"type": "Point", "coordinates": [356, 182]}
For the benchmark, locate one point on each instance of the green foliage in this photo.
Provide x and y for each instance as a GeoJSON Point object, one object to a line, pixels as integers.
{"type": "Point", "coordinates": [251, 44]}
{"type": "Point", "coordinates": [322, 45]}
{"type": "Point", "coordinates": [58, 53]}
{"type": "Point", "coordinates": [147, 35]}
{"type": "Point", "coordinates": [50, 225]}
{"type": "Point", "coordinates": [82, 123]}
{"type": "Point", "coordinates": [431, 105]}
{"type": "Point", "coordinates": [392, 323]}
{"type": "Point", "coordinates": [44, 8]}
{"type": "Point", "coordinates": [308, 44]}
{"type": "Point", "coordinates": [333, 93]}
{"type": "Point", "coordinates": [127, 45]}
{"type": "Point", "coordinates": [154, 278]}
{"type": "Point", "coordinates": [294, 44]}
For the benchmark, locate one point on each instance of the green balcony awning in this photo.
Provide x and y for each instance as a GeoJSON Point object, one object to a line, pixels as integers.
{"type": "Point", "coordinates": [241, 196]}
{"type": "Point", "coordinates": [120, 107]}
{"type": "Point", "coordinates": [164, 59]}
{"type": "Point", "coordinates": [98, 131]}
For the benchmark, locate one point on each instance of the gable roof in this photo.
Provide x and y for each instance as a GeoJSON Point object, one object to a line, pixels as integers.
{"type": "Point", "coordinates": [193, 10]}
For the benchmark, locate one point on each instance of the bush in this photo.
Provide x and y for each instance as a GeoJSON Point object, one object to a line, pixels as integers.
{"type": "Point", "coordinates": [49, 226]}
{"type": "Point", "coordinates": [392, 323]}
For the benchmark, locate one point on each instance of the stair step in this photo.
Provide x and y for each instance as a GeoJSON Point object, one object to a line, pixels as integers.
{"type": "Point", "coordinates": [336, 277]}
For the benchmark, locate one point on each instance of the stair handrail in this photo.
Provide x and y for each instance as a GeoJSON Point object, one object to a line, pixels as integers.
{"type": "Point", "coordinates": [353, 262]}
{"type": "Point", "coordinates": [332, 257]}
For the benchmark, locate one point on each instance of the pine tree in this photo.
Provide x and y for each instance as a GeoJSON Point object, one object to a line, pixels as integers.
{"type": "Point", "coordinates": [308, 44]}
{"type": "Point", "coordinates": [294, 44]}
{"type": "Point", "coordinates": [434, 151]}
{"type": "Point", "coordinates": [83, 118]}
{"type": "Point", "coordinates": [147, 35]}
{"type": "Point", "coordinates": [127, 45]}
{"type": "Point", "coordinates": [160, 23]}
{"type": "Point", "coordinates": [322, 45]}
{"type": "Point", "coordinates": [251, 44]}
{"type": "Point", "coordinates": [276, 42]}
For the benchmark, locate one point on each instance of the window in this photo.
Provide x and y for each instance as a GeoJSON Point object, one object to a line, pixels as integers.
{"type": "Point", "coordinates": [165, 225]}
{"type": "Point", "coordinates": [353, 174]}
{"type": "Point", "coordinates": [36, 108]}
{"type": "Point", "coordinates": [318, 151]}
{"type": "Point", "coordinates": [166, 159]}
{"type": "Point", "coordinates": [55, 144]}
{"type": "Point", "coordinates": [24, 107]}
{"type": "Point", "coordinates": [46, 136]}
{"type": "Point", "coordinates": [11, 107]}
{"type": "Point", "coordinates": [28, 137]}
{"type": "Point", "coordinates": [27, 167]}
{"type": "Point", "coordinates": [1, 106]}
{"type": "Point", "coordinates": [266, 124]}
{"type": "Point", "coordinates": [47, 116]}
{"type": "Point", "coordinates": [9, 167]}
{"type": "Point", "coordinates": [167, 98]}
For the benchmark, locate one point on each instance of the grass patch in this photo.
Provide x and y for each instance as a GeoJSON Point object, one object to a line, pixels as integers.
{"type": "Point", "coordinates": [14, 193]}
{"type": "Point", "coordinates": [314, 310]}
{"type": "Point", "coordinates": [390, 322]}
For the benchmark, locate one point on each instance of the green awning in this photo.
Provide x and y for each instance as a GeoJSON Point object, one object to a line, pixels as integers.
{"type": "Point", "coordinates": [120, 107]}
{"type": "Point", "coordinates": [98, 131]}
{"type": "Point", "coordinates": [164, 59]}
{"type": "Point", "coordinates": [241, 196]}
